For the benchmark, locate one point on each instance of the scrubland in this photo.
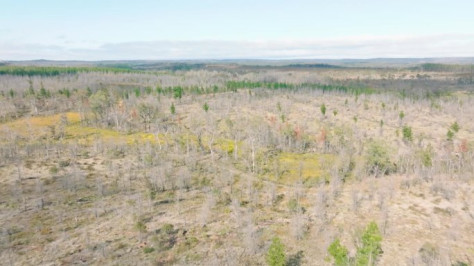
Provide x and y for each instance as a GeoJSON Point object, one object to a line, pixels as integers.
{"type": "Point", "coordinates": [235, 165]}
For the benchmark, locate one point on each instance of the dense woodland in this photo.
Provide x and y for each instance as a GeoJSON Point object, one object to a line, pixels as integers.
{"type": "Point", "coordinates": [233, 164]}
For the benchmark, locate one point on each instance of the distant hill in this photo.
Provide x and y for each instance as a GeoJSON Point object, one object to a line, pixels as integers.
{"type": "Point", "coordinates": [175, 65]}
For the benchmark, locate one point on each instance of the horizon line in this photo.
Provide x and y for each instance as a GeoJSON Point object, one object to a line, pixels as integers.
{"type": "Point", "coordinates": [241, 59]}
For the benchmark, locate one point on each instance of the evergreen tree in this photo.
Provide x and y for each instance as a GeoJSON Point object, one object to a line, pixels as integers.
{"type": "Point", "coordinates": [371, 246]}
{"type": "Point", "coordinates": [338, 252]}
{"type": "Point", "coordinates": [323, 109]}
{"type": "Point", "coordinates": [276, 253]}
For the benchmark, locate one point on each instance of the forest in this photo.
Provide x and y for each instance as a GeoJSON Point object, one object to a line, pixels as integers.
{"type": "Point", "coordinates": [232, 163]}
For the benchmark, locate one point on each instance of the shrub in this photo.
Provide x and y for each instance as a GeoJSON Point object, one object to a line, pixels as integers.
{"type": "Point", "coordinates": [371, 246]}
{"type": "Point", "coordinates": [165, 237]}
{"type": "Point", "coordinates": [205, 107]}
{"type": "Point", "coordinates": [425, 156]}
{"type": "Point", "coordinates": [177, 92]}
{"type": "Point", "coordinates": [450, 135]}
{"type": "Point", "coordinates": [295, 259]}
{"type": "Point", "coordinates": [64, 163]}
{"type": "Point", "coordinates": [141, 227]}
{"type": "Point", "coordinates": [401, 115]}
{"type": "Point", "coordinates": [137, 92]}
{"type": "Point", "coordinates": [323, 109]}
{"type": "Point", "coordinates": [455, 127]}
{"type": "Point", "coordinates": [377, 159]}
{"type": "Point", "coordinates": [148, 250]}
{"type": "Point", "coordinates": [338, 252]}
{"type": "Point", "coordinates": [53, 170]}
{"type": "Point", "coordinates": [407, 133]}
{"type": "Point", "coordinates": [429, 253]}
{"type": "Point", "coordinates": [167, 228]}
{"type": "Point", "coordinates": [276, 253]}
{"type": "Point", "coordinates": [148, 90]}
{"type": "Point", "coordinates": [293, 205]}
{"type": "Point", "coordinates": [460, 263]}
{"type": "Point", "coordinates": [172, 109]}
{"type": "Point", "coordinates": [188, 244]}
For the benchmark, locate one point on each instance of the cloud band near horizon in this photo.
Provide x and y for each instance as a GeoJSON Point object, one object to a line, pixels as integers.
{"type": "Point", "coordinates": [342, 48]}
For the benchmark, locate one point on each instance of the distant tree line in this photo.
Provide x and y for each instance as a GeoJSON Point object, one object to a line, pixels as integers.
{"type": "Point", "coordinates": [234, 85]}
{"type": "Point", "coordinates": [432, 67]}
{"type": "Point", "coordinates": [178, 91]}
{"type": "Point", "coordinates": [56, 71]}
{"type": "Point", "coordinates": [314, 66]}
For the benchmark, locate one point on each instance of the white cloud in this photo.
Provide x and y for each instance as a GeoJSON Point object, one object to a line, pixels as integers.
{"type": "Point", "coordinates": [454, 45]}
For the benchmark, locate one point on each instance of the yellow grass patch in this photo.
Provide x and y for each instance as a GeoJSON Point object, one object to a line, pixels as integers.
{"type": "Point", "coordinates": [227, 145]}
{"type": "Point", "coordinates": [223, 145]}
{"type": "Point", "coordinates": [42, 121]}
{"type": "Point", "coordinates": [38, 125]}
{"type": "Point", "coordinates": [288, 168]}
{"type": "Point", "coordinates": [42, 126]}
{"type": "Point", "coordinates": [86, 135]}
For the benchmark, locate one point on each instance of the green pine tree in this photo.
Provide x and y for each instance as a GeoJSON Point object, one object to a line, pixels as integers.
{"type": "Point", "coordinates": [323, 109]}
{"type": "Point", "coordinates": [371, 246]}
{"type": "Point", "coordinates": [276, 253]}
{"type": "Point", "coordinates": [338, 252]}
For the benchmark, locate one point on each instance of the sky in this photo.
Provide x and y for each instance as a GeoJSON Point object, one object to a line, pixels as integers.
{"type": "Point", "coordinates": [239, 29]}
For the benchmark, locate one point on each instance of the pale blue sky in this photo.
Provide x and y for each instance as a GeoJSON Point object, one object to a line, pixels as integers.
{"type": "Point", "coordinates": [184, 29]}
